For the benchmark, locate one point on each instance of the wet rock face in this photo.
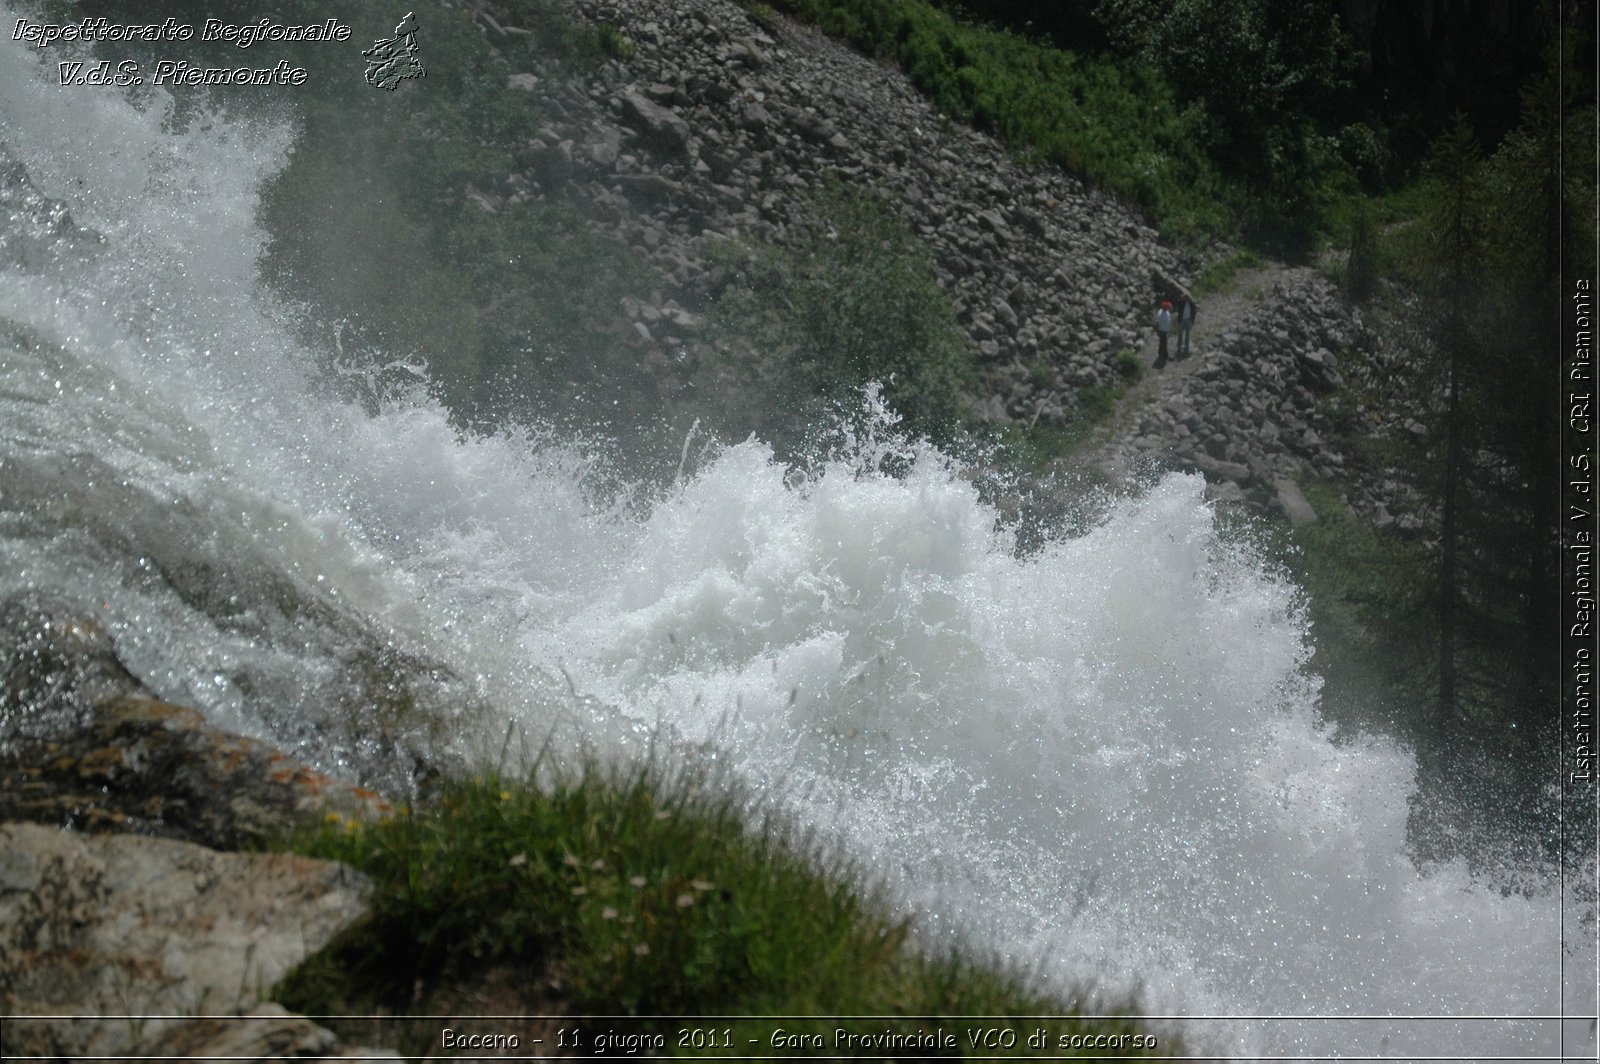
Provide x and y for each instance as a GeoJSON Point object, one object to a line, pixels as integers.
{"type": "Point", "coordinates": [147, 766]}
{"type": "Point", "coordinates": [84, 745]}
{"type": "Point", "coordinates": [97, 918]}
{"type": "Point", "coordinates": [54, 667]}
{"type": "Point", "coordinates": [37, 228]}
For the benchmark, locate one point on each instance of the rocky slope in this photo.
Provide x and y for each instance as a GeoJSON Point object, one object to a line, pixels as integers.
{"type": "Point", "coordinates": [715, 127]}
{"type": "Point", "coordinates": [711, 132]}
{"type": "Point", "coordinates": [1266, 399]}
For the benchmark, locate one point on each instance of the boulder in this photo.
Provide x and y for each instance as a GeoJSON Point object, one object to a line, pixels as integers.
{"type": "Point", "coordinates": [105, 935]}
{"type": "Point", "coordinates": [659, 128]}
{"type": "Point", "coordinates": [1292, 503]}
{"type": "Point", "coordinates": [647, 189]}
{"type": "Point", "coordinates": [89, 747]}
{"type": "Point", "coordinates": [1319, 370]}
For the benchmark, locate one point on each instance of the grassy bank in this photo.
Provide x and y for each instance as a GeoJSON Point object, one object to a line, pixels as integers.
{"type": "Point", "coordinates": [645, 895]}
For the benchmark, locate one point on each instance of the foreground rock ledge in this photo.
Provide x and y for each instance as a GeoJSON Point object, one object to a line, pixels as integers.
{"type": "Point", "coordinates": [114, 943]}
{"type": "Point", "coordinates": [84, 744]}
{"type": "Point", "coordinates": [119, 925]}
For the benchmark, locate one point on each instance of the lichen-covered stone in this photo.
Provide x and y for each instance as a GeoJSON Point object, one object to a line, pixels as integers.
{"type": "Point", "coordinates": [122, 930]}
{"type": "Point", "coordinates": [84, 745]}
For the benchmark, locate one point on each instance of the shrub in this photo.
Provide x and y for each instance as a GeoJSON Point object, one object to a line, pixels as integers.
{"type": "Point", "coordinates": [1098, 400]}
{"type": "Point", "coordinates": [762, 15]}
{"type": "Point", "coordinates": [612, 43]}
{"type": "Point", "coordinates": [1218, 273]}
{"type": "Point", "coordinates": [1361, 267]}
{"type": "Point", "coordinates": [851, 298]}
{"type": "Point", "coordinates": [1128, 366]}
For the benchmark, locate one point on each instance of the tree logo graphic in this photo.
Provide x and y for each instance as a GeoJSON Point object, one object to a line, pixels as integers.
{"type": "Point", "coordinates": [394, 59]}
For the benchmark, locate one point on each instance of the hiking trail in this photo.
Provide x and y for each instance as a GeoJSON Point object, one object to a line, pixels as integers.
{"type": "Point", "coordinates": [1172, 387]}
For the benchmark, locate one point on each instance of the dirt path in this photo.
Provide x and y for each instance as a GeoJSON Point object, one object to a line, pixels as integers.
{"type": "Point", "coordinates": [1217, 312]}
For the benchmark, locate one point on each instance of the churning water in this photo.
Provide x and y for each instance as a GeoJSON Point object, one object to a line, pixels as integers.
{"type": "Point", "coordinates": [1101, 759]}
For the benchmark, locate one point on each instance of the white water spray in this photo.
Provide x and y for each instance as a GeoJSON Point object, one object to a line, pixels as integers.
{"type": "Point", "coordinates": [1101, 760]}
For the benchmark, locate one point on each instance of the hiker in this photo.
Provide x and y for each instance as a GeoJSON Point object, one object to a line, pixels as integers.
{"type": "Point", "coordinates": [1186, 313]}
{"type": "Point", "coordinates": [1163, 326]}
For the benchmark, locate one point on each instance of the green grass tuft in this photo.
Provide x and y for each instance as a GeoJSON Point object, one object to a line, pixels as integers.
{"type": "Point", "coordinates": [1128, 366]}
{"type": "Point", "coordinates": [1218, 274]}
{"type": "Point", "coordinates": [612, 43]}
{"type": "Point", "coordinates": [762, 15]}
{"type": "Point", "coordinates": [637, 894]}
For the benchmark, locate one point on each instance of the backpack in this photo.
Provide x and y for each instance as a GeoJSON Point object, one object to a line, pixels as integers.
{"type": "Point", "coordinates": [1164, 320]}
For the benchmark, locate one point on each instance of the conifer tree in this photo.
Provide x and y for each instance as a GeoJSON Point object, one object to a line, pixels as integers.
{"type": "Point", "coordinates": [1455, 225]}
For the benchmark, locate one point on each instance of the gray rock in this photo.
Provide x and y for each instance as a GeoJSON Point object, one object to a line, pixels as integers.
{"type": "Point", "coordinates": [265, 1033]}
{"type": "Point", "coordinates": [605, 146]}
{"type": "Point", "coordinates": [1006, 314]}
{"type": "Point", "coordinates": [747, 52]}
{"type": "Point", "coordinates": [1225, 492]}
{"type": "Point", "coordinates": [648, 188]}
{"type": "Point", "coordinates": [1293, 503]}
{"type": "Point", "coordinates": [661, 92]}
{"type": "Point", "coordinates": [1218, 470]}
{"type": "Point", "coordinates": [659, 128]}
{"type": "Point", "coordinates": [753, 118]}
{"type": "Point", "coordinates": [120, 925]}
{"type": "Point", "coordinates": [496, 32]}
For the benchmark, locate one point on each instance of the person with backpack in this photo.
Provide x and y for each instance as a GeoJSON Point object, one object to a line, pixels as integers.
{"type": "Point", "coordinates": [1163, 326]}
{"type": "Point", "coordinates": [1186, 314]}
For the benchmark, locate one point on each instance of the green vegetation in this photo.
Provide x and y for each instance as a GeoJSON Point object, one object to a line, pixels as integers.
{"type": "Point", "coordinates": [612, 43]}
{"type": "Point", "coordinates": [1273, 82]}
{"type": "Point", "coordinates": [1037, 447]}
{"type": "Point", "coordinates": [1501, 231]}
{"type": "Point", "coordinates": [851, 298]}
{"type": "Point", "coordinates": [762, 14]}
{"type": "Point", "coordinates": [1365, 587]}
{"type": "Point", "coordinates": [1363, 265]}
{"type": "Point", "coordinates": [1128, 366]}
{"type": "Point", "coordinates": [1215, 116]}
{"type": "Point", "coordinates": [1448, 635]}
{"type": "Point", "coordinates": [1218, 273]}
{"type": "Point", "coordinates": [1114, 124]}
{"type": "Point", "coordinates": [639, 894]}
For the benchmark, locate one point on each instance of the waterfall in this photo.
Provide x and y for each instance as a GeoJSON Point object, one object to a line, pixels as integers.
{"type": "Point", "coordinates": [1101, 759]}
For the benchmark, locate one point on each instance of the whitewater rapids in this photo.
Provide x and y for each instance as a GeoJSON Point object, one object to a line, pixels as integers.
{"type": "Point", "coordinates": [1101, 760]}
